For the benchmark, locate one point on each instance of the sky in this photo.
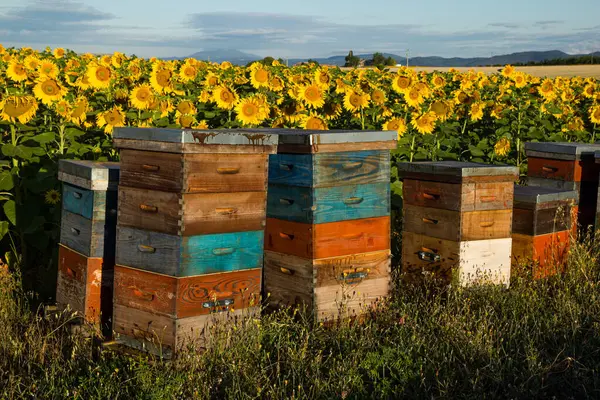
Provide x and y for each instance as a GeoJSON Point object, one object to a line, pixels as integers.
{"type": "Point", "coordinates": [303, 28]}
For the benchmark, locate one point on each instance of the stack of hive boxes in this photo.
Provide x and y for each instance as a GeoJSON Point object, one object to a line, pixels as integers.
{"type": "Point", "coordinates": [457, 217]}
{"type": "Point", "coordinates": [86, 251]}
{"type": "Point", "coordinates": [190, 232]}
{"type": "Point", "coordinates": [541, 227]}
{"type": "Point", "coordinates": [567, 166]}
{"type": "Point", "coordinates": [328, 226]}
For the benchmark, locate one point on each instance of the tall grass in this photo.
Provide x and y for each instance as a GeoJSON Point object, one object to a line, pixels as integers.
{"type": "Point", "coordinates": [535, 340]}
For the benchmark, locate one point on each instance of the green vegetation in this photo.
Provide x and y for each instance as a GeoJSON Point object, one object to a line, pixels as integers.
{"type": "Point", "coordinates": [534, 340]}
{"type": "Point", "coordinates": [580, 60]}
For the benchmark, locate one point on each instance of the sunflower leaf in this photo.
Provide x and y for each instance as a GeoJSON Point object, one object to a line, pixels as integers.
{"type": "Point", "coordinates": [45, 137]}
{"type": "Point", "coordinates": [10, 210]}
{"type": "Point", "coordinates": [6, 181]}
{"type": "Point", "coordinates": [3, 228]}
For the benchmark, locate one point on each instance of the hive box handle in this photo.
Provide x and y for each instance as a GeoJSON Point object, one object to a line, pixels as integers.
{"type": "Point", "coordinates": [75, 231]}
{"type": "Point", "coordinates": [228, 170]}
{"type": "Point", "coordinates": [143, 295]}
{"type": "Point", "coordinates": [431, 196]}
{"type": "Point", "coordinates": [353, 200]}
{"type": "Point", "coordinates": [287, 271]}
{"type": "Point", "coordinates": [352, 165]}
{"type": "Point", "coordinates": [226, 210]}
{"type": "Point", "coordinates": [487, 199]}
{"type": "Point", "coordinates": [287, 202]}
{"type": "Point", "coordinates": [223, 251]}
{"type": "Point", "coordinates": [148, 209]}
{"type": "Point", "coordinates": [427, 256]}
{"type": "Point", "coordinates": [430, 221]}
{"type": "Point", "coordinates": [286, 236]}
{"type": "Point", "coordinates": [286, 167]}
{"type": "Point", "coordinates": [152, 168]}
{"type": "Point", "coordinates": [77, 195]}
{"type": "Point", "coordinates": [146, 249]}
{"type": "Point", "coordinates": [486, 224]}
{"type": "Point", "coordinates": [71, 273]}
{"type": "Point", "coordinates": [549, 168]}
{"type": "Point", "coordinates": [218, 303]}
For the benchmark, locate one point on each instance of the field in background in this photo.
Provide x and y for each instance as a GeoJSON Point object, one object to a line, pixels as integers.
{"type": "Point", "coordinates": [550, 71]}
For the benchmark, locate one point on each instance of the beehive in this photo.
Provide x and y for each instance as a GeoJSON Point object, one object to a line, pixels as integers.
{"type": "Point", "coordinates": [541, 228]}
{"type": "Point", "coordinates": [190, 234]}
{"type": "Point", "coordinates": [87, 238]}
{"type": "Point", "coordinates": [567, 166]}
{"type": "Point", "coordinates": [327, 238]}
{"type": "Point", "coordinates": [457, 217]}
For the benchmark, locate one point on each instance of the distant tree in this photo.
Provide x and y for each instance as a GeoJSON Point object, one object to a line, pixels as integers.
{"type": "Point", "coordinates": [390, 61]}
{"type": "Point", "coordinates": [378, 59]}
{"type": "Point", "coordinates": [268, 60]}
{"type": "Point", "coordinates": [311, 61]}
{"type": "Point", "coordinates": [281, 61]}
{"type": "Point", "coordinates": [352, 60]}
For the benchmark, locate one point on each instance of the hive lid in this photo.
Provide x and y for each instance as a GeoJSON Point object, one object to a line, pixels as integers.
{"type": "Point", "coordinates": [308, 141]}
{"type": "Point", "coordinates": [597, 155]}
{"type": "Point", "coordinates": [91, 175]}
{"type": "Point", "coordinates": [538, 195]}
{"type": "Point", "coordinates": [455, 170]}
{"type": "Point", "coordinates": [255, 137]}
{"type": "Point", "coordinates": [561, 150]}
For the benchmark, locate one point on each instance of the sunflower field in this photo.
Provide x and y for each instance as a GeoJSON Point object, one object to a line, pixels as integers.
{"type": "Point", "coordinates": [59, 104]}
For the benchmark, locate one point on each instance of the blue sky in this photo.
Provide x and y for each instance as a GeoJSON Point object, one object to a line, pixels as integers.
{"type": "Point", "coordinates": [303, 28]}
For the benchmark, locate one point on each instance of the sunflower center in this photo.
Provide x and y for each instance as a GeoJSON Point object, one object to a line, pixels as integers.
{"type": "Point", "coordinates": [597, 113]}
{"type": "Point", "coordinates": [103, 74]}
{"type": "Point", "coordinates": [185, 107]}
{"type": "Point", "coordinates": [50, 88]}
{"type": "Point", "coordinates": [314, 124]}
{"type": "Point", "coordinates": [163, 77]}
{"type": "Point", "coordinates": [312, 94]}
{"type": "Point", "coordinates": [249, 110]}
{"type": "Point", "coordinates": [143, 95]}
{"type": "Point", "coordinates": [355, 100]}
{"type": "Point", "coordinates": [403, 82]}
{"type": "Point", "coordinates": [113, 117]}
{"type": "Point", "coordinates": [439, 108]}
{"type": "Point", "coordinates": [323, 78]}
{"type": "Point", "coordinates": [19, 69]}
{"type": "Point", "coordinates": [186, 121]}
{"type": "Point", "coordinates": [394, 125]}
{"type": "Point", "coordinates": [16, 108]}
{"type": "Point", "coordinates": [261, 75]}
{"type": "Point", "coordinates": [190, 72]}
{"type": "Point", "coordinates": [213, 80]}
{"type": "Point", "coordinates": [226, 96]}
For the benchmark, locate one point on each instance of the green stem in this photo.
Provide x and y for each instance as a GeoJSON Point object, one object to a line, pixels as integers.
{"type": "Point", "coordinates": [594, 134]}
{"type": "Point", "coordinates": [519, 137]}
{"type": "Point", "coordinates": [13, 140]}
{"type": "Point", "coordinates": [412, 148]}
{"type": "Point", "coordinates": [362, 118]}
{"type": "Point", "coordinates": [61, 134]}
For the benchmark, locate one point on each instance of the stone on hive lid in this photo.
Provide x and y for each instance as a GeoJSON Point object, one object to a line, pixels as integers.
{"type": "Point", "coordinates": [91, 175]}
{"type": "Point", "coordinates": [561, 150]}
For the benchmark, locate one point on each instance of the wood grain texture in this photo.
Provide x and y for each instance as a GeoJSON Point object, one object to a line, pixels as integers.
{"type": "Point", "coordinates": [352, 270]}
{"type": "Point", "coordinates": [288, 280]}
{"type": "Point", "coordinates": [330, 169]}
{"type": "Point", "coordinates": [541, 221]}
{"type": "Point", "coordinates": [485, 262]}
{"type": "Point", "coordinates": [189, 296]}
{"type": "Point", "coordinates": [425, 254]}
{"type": "Point", "coordinates": [575, 171]}
{"type": "Point", "coordinates": [191, 148]}
{"type": "Point", "coordinates": [459, 197]}
{"type": "Point", "coordinates": [347, 301]}
{"type": "Point", "coordinates": [330, 204]}
{"type": "Point", "coordinates": [85, 236]}
{"type": "Point", "coordinates": [151, 210]}
{"type": "Point", "coordinates": [542, 255]}
{"type": "Point", "coordinates": [458, 226]}
{"type": "Point", "coordinates": [85, 285]}
{"type": "Point", "coordinates": [210, 213]}
{"type": "Point", "coordinates": [151, 170]}
{"type": "Point", "coordinates": [328, 240]}
{"type": "Point", "coordinates": [97, 205]}
{"type": "Point", "coordinates": [190, 255]}
{"type": "Point", "coordinates": [336, 148]}
{"type": "Point", "coordinates": [210, 173]}
{"type": "Point", "coordinates": [164, 336]}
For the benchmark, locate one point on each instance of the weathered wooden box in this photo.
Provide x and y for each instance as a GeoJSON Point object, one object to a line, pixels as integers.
{"type": "Point", "coordinates": [567, 166]}
{"type": "Point", "coordinates": [327, 237]}
{"type": "Point", "coordinates": [457, 216]}
{"type": "Point", "coordinates": [190, 237]}
{"type": "Point", "coordinates": [541, 228]}
{"type": "Point", "coordinates": [87, 237]}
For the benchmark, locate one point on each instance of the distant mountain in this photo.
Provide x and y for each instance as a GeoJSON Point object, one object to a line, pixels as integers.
{"type": "Point", "coordinates": [241, 58]}
{"type": "Point", "coordinates": [220, 55]}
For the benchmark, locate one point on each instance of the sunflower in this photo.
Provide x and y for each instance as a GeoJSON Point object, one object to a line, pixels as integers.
{"type": "Point", "coordinates": [461, 97]}
{"type": "Point", "coordinates": [141, 97]}
{"type": "Point", "coordinates": [438, 82]}
{"type": "Point", "coordinates": [18, 108]}
{"type": "Point", "coordinates": [117, 59]}
{"type": "Point", "coordinates": [595, 114]}
{"type": "Point", "coordinates": [160, 79]}
{"type": "Point", "coordinates": [79, 111]}
{"type": "Point", "coordinates": [16, 71]}
{"type": "Point", "coordinates": [48, 68]}
{"type": "Point", "coordinates": [396, 124]}
{"type": "Point", "coordinates": [250, 111]}
{"type": "Point", "coordinates": [312, 95]}
{"type": "Point", "coordinates": [211, 80]}
{"type": "Point", "coordinates": [202, 125]}
{"type": "Point", "coordinates": [424, 123]}
{"type": "Point", "coordinates": [331, 111]}
{"type": "Point", "coordinates": [62, 108]}
{"type": "Point", "coordinates": [401, 83]}
{"type": "Point", "coordinates": [508, 71]}
{"type": "Point", "coordinates": [52, 196]}
{"type": "Point", "coordinates": [291, 112]}
{"type": "Point", "coordinates": [314, 123]}
{"type": "Point", "coordinates": [186, 107]}
{"type": "Point", "coordinates": [31, 62]}
{"type": "Point", "coordinates": [99, 76]}
{"type": "Point", "coordinates": [204, 96]}
{"type": "Point", "coordinates": [276, 84]}
{"type": "Point", "coordinates": [423, 89]}
{"type": "Point", "coordinates": [224, 97]}
{"type": "Point", "coordinates": [187, 72]}
{"type": "Point", "coordinates": [354, 101]}
{"type": "Point", "coordinates": [502, 147]}
{"type": "Point", "coordinates": [6, 57]}
{"type": "Point", "coordinates": [476, 111]}
{"type": "Point", "coordinates": [259, 76]}
{"type": "Point", "coordinates": [413, 98]}
{"type": "Point", "coordinates": [226, 65]}
{"type": "Point", "coordinates": [546, 89]}
{"type": "Point", "coordinates": [58, 52]}
{"type": "Point", "coordinates": [520, 79]}
{"type": "Point", "coordinates": [186, 120]}
{"type": "Point", "coordinates": [106, 60]}
{"type": "Point", "coordinates": [48, 90]}
{"type": "Point", "coordinates": [340, 86]}
{"type": "Point", "coordinates": [322, 78]}
{"type": "Point", "coordinates": [83, 82]}
{"type": "Point", "coordinates": [589, 90]}
{"type": "Point", "coordinates": [497, 111]}
{"type": "Point", "coordinates": [441, 109]}
{"type": "Point", "coordinates": [378, 97]}
{"type": "Point", "coordinates": [111, 119]}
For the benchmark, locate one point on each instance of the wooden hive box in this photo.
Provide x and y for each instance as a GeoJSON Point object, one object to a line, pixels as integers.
{"type": "Point", "coordinates": [87, 238]}
{"type": "Point", "coordinates": [190, 237]}
{"type": "Point", "coordinates": [541, 229]}
{"type": "Point", "coordinates": [327, 237]}
{"type": "Point", "coordinates": [457, 216]}
{"type": "Point", "coordinates": [597, 226]}
{"type": "Point", "coordinates": [567, 166]}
